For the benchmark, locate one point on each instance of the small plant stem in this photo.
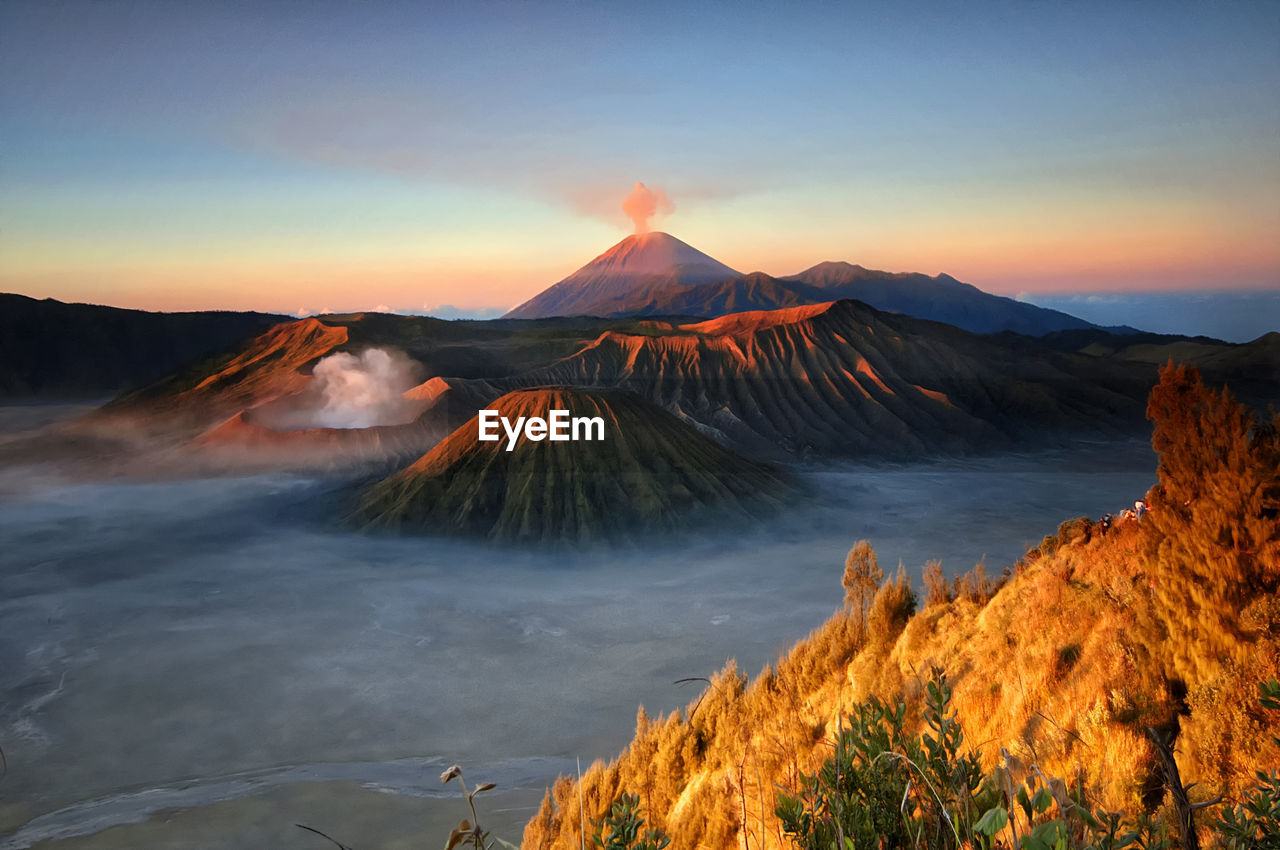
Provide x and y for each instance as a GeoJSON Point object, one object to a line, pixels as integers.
{"type": "Point", "coordinates": [582, 811]}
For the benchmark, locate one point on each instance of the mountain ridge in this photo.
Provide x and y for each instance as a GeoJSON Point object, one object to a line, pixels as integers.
{"type": "Point", "coordinates": [842, 378]}
{"type": "Point", "coordinates": [832, 379]}
{"type": "Point", "coordinates": [940, 298]}
{"type": "Point", "coordinates": [658, 275]}
{"type": "Point", "coordinates": [57, 349]}
{"type": "Point", "coordinates": [836, 379]}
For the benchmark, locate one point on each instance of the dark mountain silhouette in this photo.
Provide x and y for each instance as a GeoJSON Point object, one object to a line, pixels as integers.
{"type": "Point", "coordinates": [940, 299]}
{"type": "Point", "coordinates": [50, 349]}
{"type": "Point", "coordinates": [1251, 369]}
{"type": "Point", "coordinates": [651, 473]}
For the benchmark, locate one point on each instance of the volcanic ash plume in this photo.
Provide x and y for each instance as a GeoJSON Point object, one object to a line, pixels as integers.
{"type": "Point", "coordinates": [363, 390]}
{"type": "Point", "coordinates": [643, 203]}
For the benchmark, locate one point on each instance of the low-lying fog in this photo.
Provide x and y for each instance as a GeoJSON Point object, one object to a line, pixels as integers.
{"type": "Point", "coordinates": [206, 663]}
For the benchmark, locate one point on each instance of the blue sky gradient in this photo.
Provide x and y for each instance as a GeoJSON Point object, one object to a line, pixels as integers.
{"type": "Point", "coordinates": [278, 155]}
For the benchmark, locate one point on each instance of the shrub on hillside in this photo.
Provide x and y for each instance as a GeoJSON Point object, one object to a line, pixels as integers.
{"type": "Point", "coordinates": [621, 828]}
{"type": "Point", "coordinates": [1213, 533]}
{"type": "Point", "coordinates": [886, 787]}
{"type": "Point", "coordinates": [862, 576]}
{"type": "Point", "coordinates": [892, 607]}
{"type": "Point", "coordinates": [936, 589]}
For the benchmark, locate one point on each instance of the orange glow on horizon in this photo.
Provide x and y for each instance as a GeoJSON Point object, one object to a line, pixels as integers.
{"type": "Point", "coordinates": [1067, 255]}
{"type": "Point", "coordinates": [289, 288]}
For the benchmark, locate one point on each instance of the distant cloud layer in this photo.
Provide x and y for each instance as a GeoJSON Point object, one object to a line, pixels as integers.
{"type": "Point", "coordinates": [449, 311]}
{"type": "Point", "coordinates": [1232, 316]}
{"type": "Point", "coordinates": [433, 139]}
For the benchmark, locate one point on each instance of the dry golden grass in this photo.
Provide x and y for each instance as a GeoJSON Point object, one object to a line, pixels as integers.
{"type": "Point", "coordinates": [1066, 664]}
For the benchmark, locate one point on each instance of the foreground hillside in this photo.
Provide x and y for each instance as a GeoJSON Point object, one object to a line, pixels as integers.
{"type": "Point", "coordinates": [1167, 623]}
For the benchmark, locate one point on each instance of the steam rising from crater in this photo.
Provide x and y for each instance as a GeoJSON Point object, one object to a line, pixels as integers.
{"type": "Point", "coordinates": [644, 203]}
{"type": "Point", "coordinates": [363, 390]}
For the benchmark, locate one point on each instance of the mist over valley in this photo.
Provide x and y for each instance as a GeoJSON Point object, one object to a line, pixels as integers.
{"type": "Point", "coordinates": [207, 643]}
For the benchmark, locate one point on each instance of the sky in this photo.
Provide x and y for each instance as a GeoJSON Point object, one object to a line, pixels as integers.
{"type": "Point", "coordinates": [458, 158]}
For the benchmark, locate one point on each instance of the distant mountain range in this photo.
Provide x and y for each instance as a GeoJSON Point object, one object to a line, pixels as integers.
{"type": "Point", "coordinates": [1250, 370]}
{"type": "Point", "coordinates": [49, 349]}
{"type": "Point", "coordinates": [655, 274]}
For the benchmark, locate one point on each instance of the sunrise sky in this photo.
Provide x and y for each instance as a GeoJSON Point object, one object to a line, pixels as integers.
{"type": "Point", "coordinates": [294, 155]}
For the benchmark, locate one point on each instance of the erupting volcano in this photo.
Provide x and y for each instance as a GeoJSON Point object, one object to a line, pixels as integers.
{"type": "Point", "coordinates": [625, 275]}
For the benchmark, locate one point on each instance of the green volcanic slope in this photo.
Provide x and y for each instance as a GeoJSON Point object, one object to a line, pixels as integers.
{"type": "Point", "coordinates": [651, 473]}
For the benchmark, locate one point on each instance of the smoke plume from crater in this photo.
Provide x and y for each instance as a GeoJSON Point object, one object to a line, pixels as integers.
{"type": "Point", "coordinates": [644, 203]}
{"type": "Point", "coordinates": [362, 390]}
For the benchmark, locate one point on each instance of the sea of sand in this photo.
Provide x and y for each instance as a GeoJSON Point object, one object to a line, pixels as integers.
{"type": "Point", "coordinates": [206, 663]}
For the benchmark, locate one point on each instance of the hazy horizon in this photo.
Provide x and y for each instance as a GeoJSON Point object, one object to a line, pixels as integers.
{"type": "Point", "coordinates": [1236, 316]}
